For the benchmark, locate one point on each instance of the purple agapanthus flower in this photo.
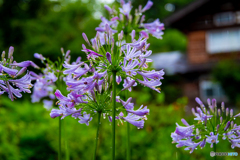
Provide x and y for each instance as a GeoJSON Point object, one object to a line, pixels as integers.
{"type": "Point", "coordinates": [126, 9]}
{"type": "Point", "coordinates": [142, 111]}
{"type": "Point", "coordinates": [156, 75]}
{"type": "Point", "coordinates": [44, 86]}
{"type": "Point", "coordinates": [134, 120]}
{"type": "Point", "coordinates": [48, 104]}
{"type": "Point", "coordinates": [129, 67]}
{"type": "Point", "coordinates": [24, 83]}
{"type": "Point", "coordinates": [212, 139]}
{"type": "Point", "coordinates": [155, 28]}
{"type": "Point", "coordinates": [139, 44]}
{"type": "Point", "coordinates": [128, 84]}
{"type": "Point", "coordinates": [127, 105]}
{"type": "Point", "coordinates": [85, 118]}
{"type": "Point", "coordinates": [132, 53]}
{"type": "Point", "coordinates": [208, 128]}
{"type": "Point", "coordinates": [64, 111]}
{"type": "Point", "coordinates": [25, 64]}
{"type": "Point", "coordinates": [151, 84]}
{"type": "Point", "coordinates": [200, 115]}
{"type": "Point", "coordinates": [110, 53]}
{"type": "Point", "coordinates": [10, 73]}
{"type": "Point", "coordinates": [147, 6]}
{"type": "Point", "coordinates": [69, 101]}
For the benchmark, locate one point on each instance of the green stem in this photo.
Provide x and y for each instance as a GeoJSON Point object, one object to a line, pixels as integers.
{"type": "Point", "coordinates": [96, 141]}
{"type": "Point", "coordinates": [128, 133]}
{"type": "Point", "coordinates": [113, 113]}
{"type": "Point", "coordinates": [128, 142]}
{"type": "Point", "coordinates": [59, 140]}
{"type": "Point", "coordinates": [215, 150]}
{"type": "Point", "coordinates": [65, 135]}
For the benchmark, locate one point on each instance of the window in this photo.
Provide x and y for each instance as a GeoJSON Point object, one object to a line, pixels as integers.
{"type": "Point", "coordinates": [226, 18]}
{"type": "Point", "coordinates": [223, 41]}
{"type": "Point", "coordinates": [238, 17]}
{"type": "Point", "coordinates": [211, 90]}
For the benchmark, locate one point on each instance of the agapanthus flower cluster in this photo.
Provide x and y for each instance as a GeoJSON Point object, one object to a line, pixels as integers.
{"type": "Point", "coordinates": [122, 19]}
{"type": "Point", "coordinates": [212, 124]}
{"type": "Point", "coordinates": [90, 82]}
{"type": "Point", "coordinates": [12, 80]}
{"type": "Point", "coordinates": [45, 82]}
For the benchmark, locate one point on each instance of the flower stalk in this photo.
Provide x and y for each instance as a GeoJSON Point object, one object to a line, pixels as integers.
{"type": "Point", "coordinates": [113, 112]}
{"type": "Point", "coordinates": [215, 150]}
{"type": "Point", "coordinates": [128, 142]}
{"type": "Point", "coordinates": [128, 147]}
{"type": "Point", "coordinates": [59, 140]}
{"type": "Point", "coordinates": [97, 134]}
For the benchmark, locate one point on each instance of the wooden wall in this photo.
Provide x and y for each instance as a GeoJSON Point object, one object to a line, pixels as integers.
{"type": "Point", "coordinates": [197, 52]}
{"type": "Point", "coordinates": [196, 48]}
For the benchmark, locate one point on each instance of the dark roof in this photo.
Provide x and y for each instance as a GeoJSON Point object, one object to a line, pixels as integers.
{"type": "Point", "coordinates": [184, 11]}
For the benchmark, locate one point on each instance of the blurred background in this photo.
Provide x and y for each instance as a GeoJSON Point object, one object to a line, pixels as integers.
{"type": "Point", "coordinates": [199, 53]}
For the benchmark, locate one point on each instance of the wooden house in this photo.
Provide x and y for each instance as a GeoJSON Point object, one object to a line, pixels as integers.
{"type": "Point", "coordinates": [212, 28]}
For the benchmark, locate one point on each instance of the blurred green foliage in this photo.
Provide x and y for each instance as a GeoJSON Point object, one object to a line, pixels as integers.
{"type": "Point", "coordinates": [45, 26]}
{"type": "Point", "coordinates": [227, 74]}
{"type": "Point", "coordinates": [28, 132]}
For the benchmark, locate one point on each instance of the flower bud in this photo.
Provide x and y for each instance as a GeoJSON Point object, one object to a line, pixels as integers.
{"type": "Point", "coordinates": [202, 144]}
{"type": "Point", "coordinates": [219, 112]}
{"type": "Point", "coordinates": [85, 38]}
{"type": "Point", "coordinates": [112, 45]}
{"type": "Point", "coordinates": [142, 63]}
{"type": "Point", "coordinates": [205, 120]}
{"type": "Point", "coordinates": [231, 112]}
{"type": "Point", "coordinates": [97, 87]}
{"type": "Point", "coordinates": [222, 106]}
{"type": "Point", "coordinates": [11, 60]}
{"type": "Point", "coordinates": [232, 124]}
{"type": "Point", "coordinates": [110, 34]}
{"type": "Point", "coordinates": [21, 71]}
{"type": "Point", "coordinates": [237, 115]}
{"type": "Point", "coordinates": [142, 19]}
{"type": "Point", "coordinates": [140, 8]}
{"type": "Point", "coordinates": [10, 52]}
{"type": "Point", "coordinates": [110, 118]}
{"type": "Point", "coordinates": [185, 122]}
{"type": "Point", "coordinates": [227, 125]}
{"type": "Point", "coordinates": [93, 95]}
{"type": "Point", "coordinates": [108, 9]}
{"type": "Point", "coordinates": [130, 18]}
{"type": "Point", "coordinates": [133, 35]}
{"type": "Point", "coordinates": [67, 53]}
{"type": "Point", "coordinates": [3, 55]}
{"type": "Point", "coordinates": [227, 111]}
{"type": "Point", "coordinates": [106, 38]}
{"type": "Point", "coordinates": [62, 50]}
{"type": "Point", "coordinates": [193, 111]}
{"type": "Point", "coordinates": [148, 6]}
{"type": "Point", "coordinates": [209, 102]}
{"type": "Point", "coordinates": [217, 127]}
{"type": "Point", "coordinates": [108, 55]}
{"type": "Point", "coordinates": [118, 79]}
{"type": "Point", "coordinates": [107, 28]}
{"type": "Point", "coordinates": [214, 103]}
